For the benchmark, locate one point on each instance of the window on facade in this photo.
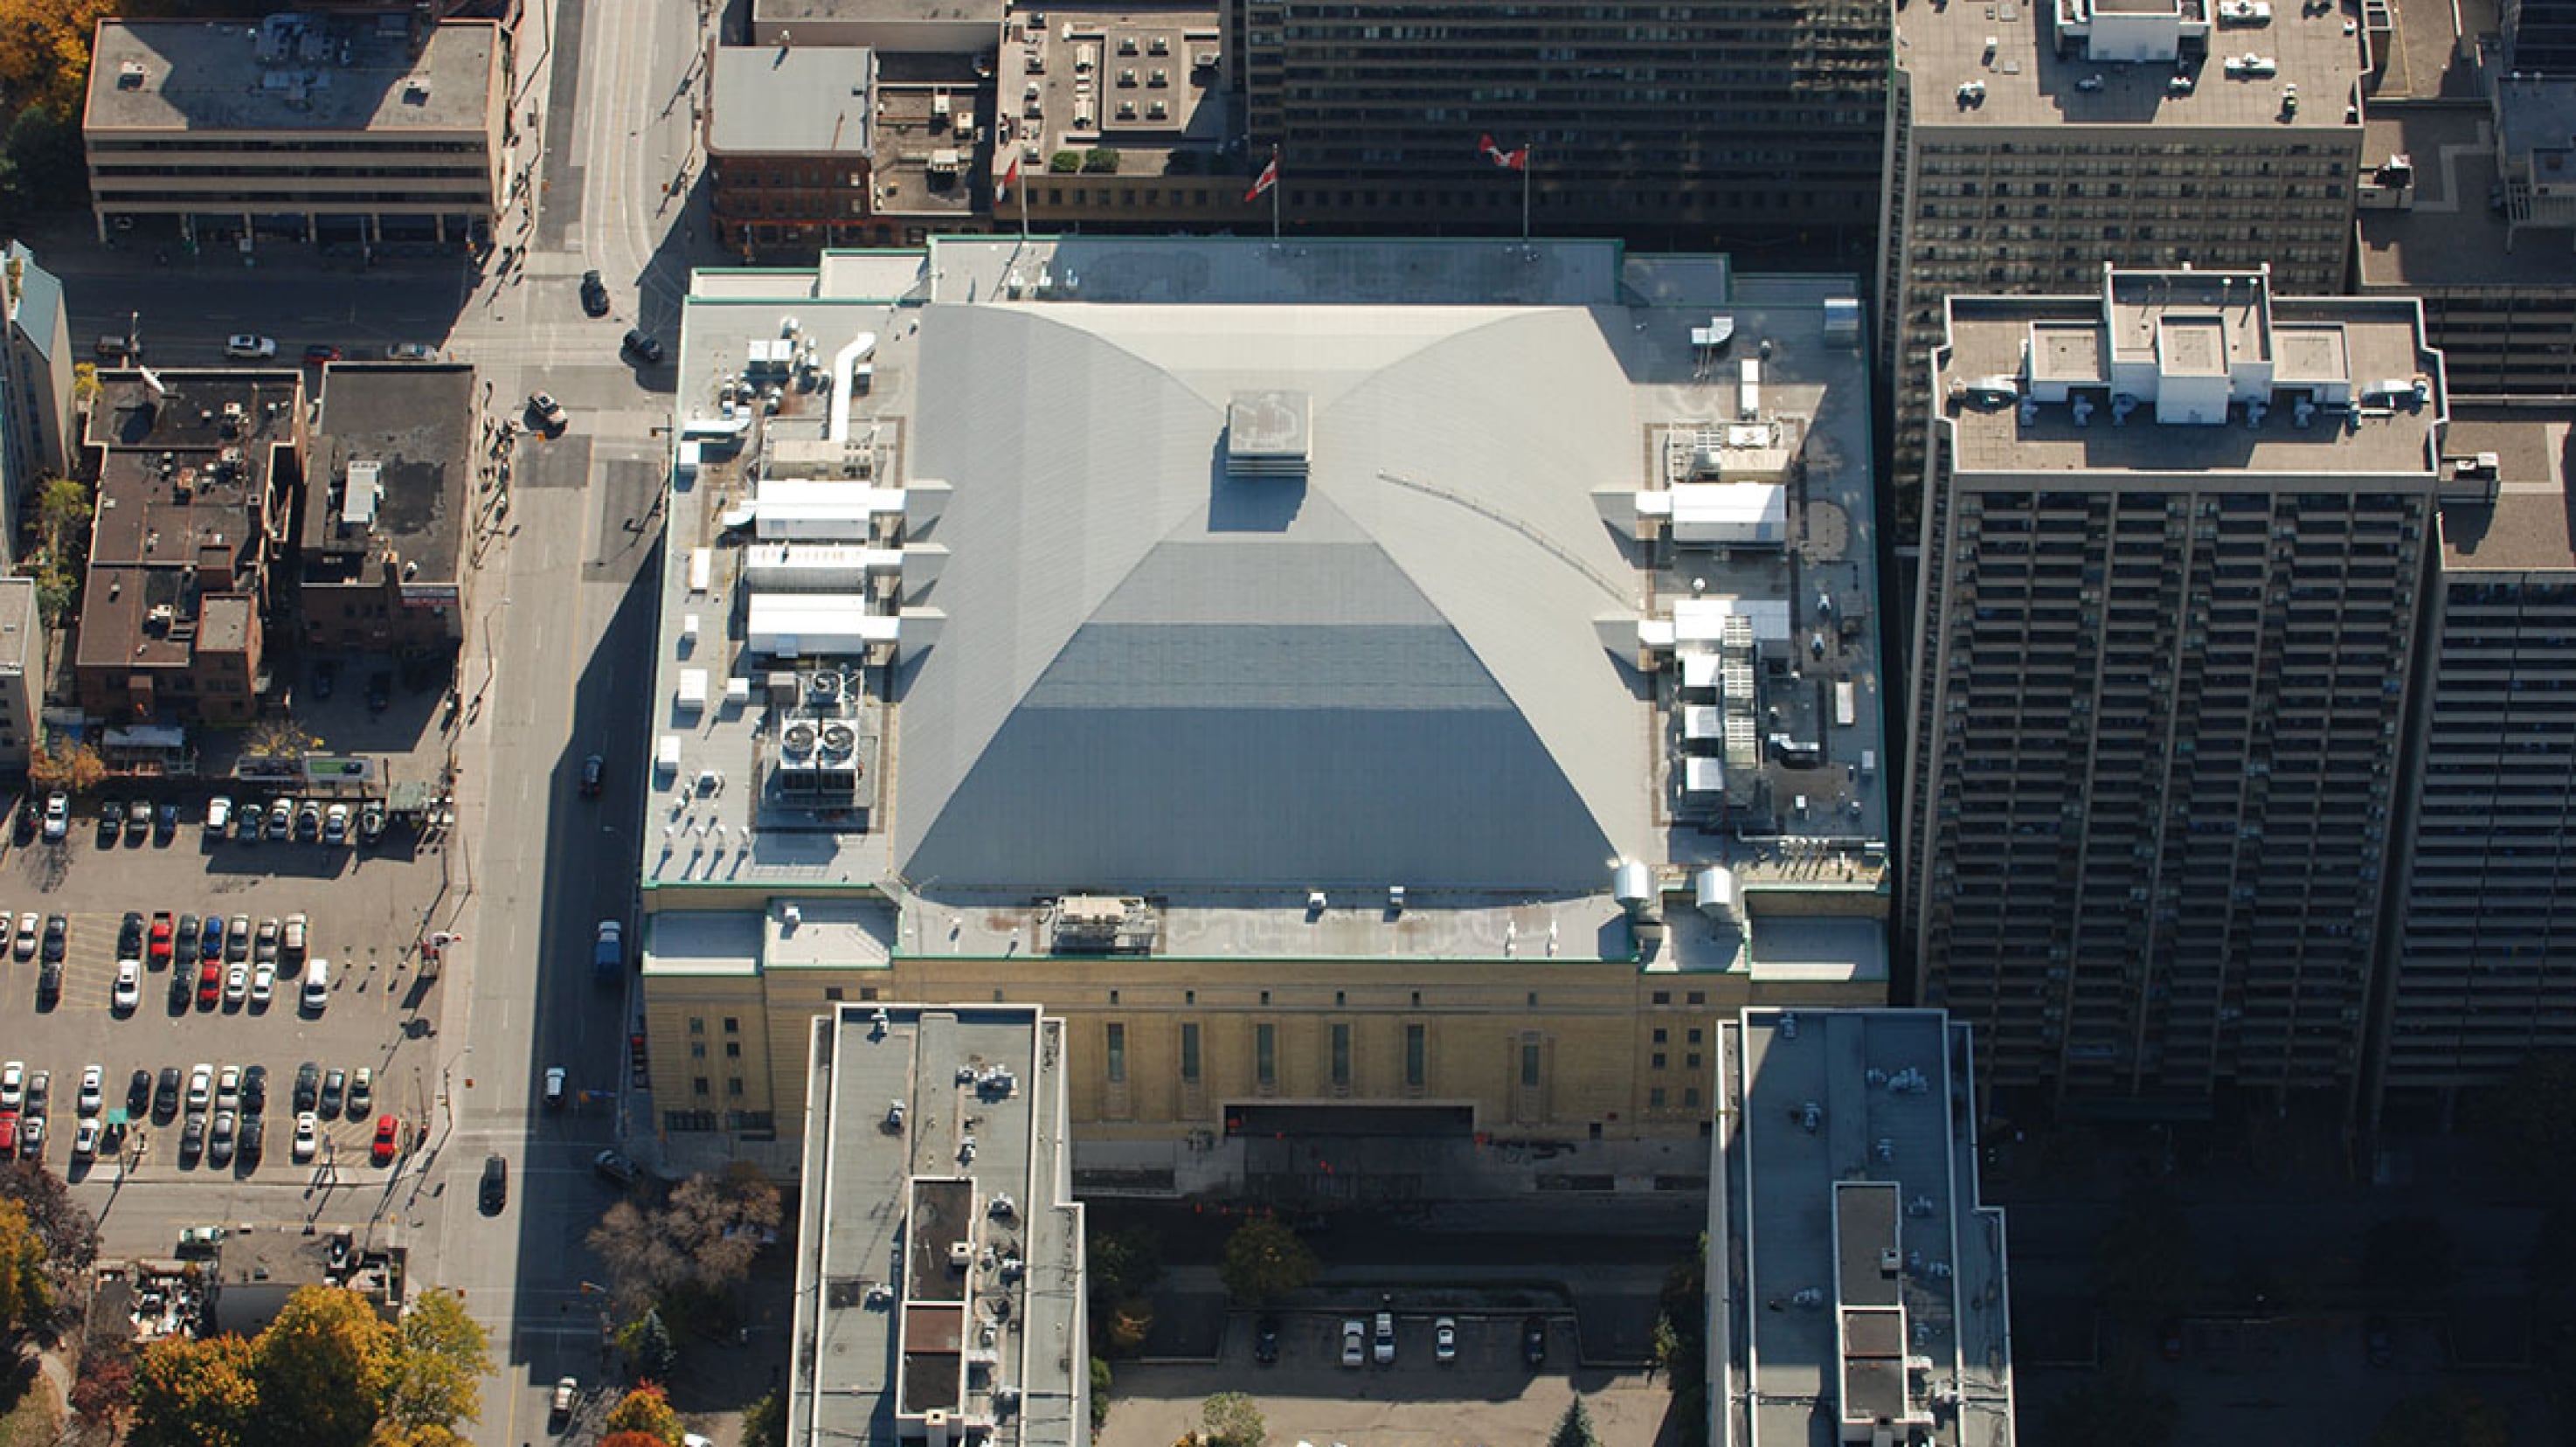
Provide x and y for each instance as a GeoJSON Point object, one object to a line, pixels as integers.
{"type": "Point", "coordinates": [1690, 1095]}
{"type": "Point", "coordinates": [697, 1050]}
{"type": "Point", "coordinates": [733, 1050]}
{"type": "Point", "coordinates": [1117, 1054]}
{"type": "Point", "coordinates": [1190, 1053]}
{"type": "Point", "coordinates": [1659, 1036]}
{"type": "Point", "coordinates": [1417, 1052]}
{"type": "Point", "coordinates": [700, 1085]}
{"type": "Point", "coordinates": [733, 1085]}
{"type": "Point", "coordinates": [733, 1025]}
{"type": "Point", "coordinates": [1342, 1056]}
{"type": "Point", "coordinates": [1265, 1054]}
{"type": "Point", "coordinates": [1529, 1066]}
{"type": "Point", "coordinates": [697, 1025]}
{"type": "Point", "coordinates": [1655, 1098]}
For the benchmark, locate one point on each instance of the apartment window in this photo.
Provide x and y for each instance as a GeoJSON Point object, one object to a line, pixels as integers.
{"type": "Point", "coordinates": [1340, 998]}
{"type": "Point", "coordinates": [1533, 999]}
{"type": "Point", "coordinates": [1694, 1037]}
{"type": "Point", "coordinates": [1417, 1053]}
{"type": "Point", "coordinates": [1113, 997]}
{"type": "Point", "coordinates": [1190, 1053]}
{"type": "Point", "coordinates": [697, 1025]}
{"type": "Point", "coordinates": [1663, 997]}
{"type": "Point", "coordinates": [733, 1050]}
{"type": "Point", "coordinates": [1690, 1095]}
{"type": "Point", "coordinates": [733, 1024]}
{"type": "Point", "coordinates": [867, 992]}
{"type": "Point", "coordinates": [700, 1085]}
{"type": "Point", "coordinates": [697, 1050]}
{"type": "Point", "coordinates": [1417, 999]}
{"type": "Point", "coordinates": [1117, 1054]}
{"type": "Point", "coordinates": [1655, 1098]}
{"type": "Point", "coordinates": [831, 992]}
{"type": "Point", "coordinates": [1265, 1054]}
{"type": "Point", "coordinates": [733, 1085]}
{"type": "Point", "coordinates": [1691, 1060]}
{"type": "Point", "coordinates": [1698, 997]}
{"type": "Point", "coordinates": [1189, 997]}
{"type": "Point", "coordinates": [1341, 1057]}
{"type": "Point", "coordinates": [1659, 1036]}
{"type": "Point", "coordinates": [1265, 997]}
{"type": "Point", "coordinates": [1656, 1062]}
{"type": "Point", "coordinates": [1529, 1065]}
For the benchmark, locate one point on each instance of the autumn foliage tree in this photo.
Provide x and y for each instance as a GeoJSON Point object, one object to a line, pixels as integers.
{"type": "Point", "coordinates": [328, 1372]}
{"type": "Point", "coordinates": [25, 1296]}
{"type": "Point", "coordinates": [698, 1244]}
{"type": "Point", "coordinates": [646, 1412]}
{"type": "Point", "coordinates": [190, 1393]}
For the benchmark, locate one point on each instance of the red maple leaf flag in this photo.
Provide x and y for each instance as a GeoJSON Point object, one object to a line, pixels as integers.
{"type": "Point", "coordinates": [1010, 183]}
{"type": "Point", "coordinates": [1509, 160]}
{"type": "Point", "coordinates": [1268, 178]}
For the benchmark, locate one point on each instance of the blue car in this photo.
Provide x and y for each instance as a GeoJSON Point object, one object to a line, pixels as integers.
{"type": "Point", "coordinates": [210, 944]}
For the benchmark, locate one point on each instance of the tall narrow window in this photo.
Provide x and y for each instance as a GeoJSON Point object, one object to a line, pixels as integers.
{"type": "Point", "coordinates": [1265, 1054]}
{"type": "Point", "coordinates": [1190, 1053]}
{"type": "Point", "coordinates": [1117, 1054]}
{"type": "Point", "coordinates": [1529, 1066]}
{"type": "Point", "coordinates": [1342, 1057]}
{"type": "Point", "coordinates": [1417, 1051]}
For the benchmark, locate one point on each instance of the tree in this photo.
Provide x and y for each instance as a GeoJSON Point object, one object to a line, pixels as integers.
{"type": "Point", "coordinates": [190, 1393]}
{"type": "Point", "coordinates": [41, 163]}
{"type": "Point", "coordinates": [1229, 1419]}
{"type": "Point", "coordinates": [2115, 1407]}
{"type": "Point", "coordinates": [704, 1240]}
{"type": "Point", "coordinates": [68, 1230]}
{"type": "Point", "coordinates": [440, 1356]}
{"type": "Point", "coordinates": [1064, 163]}
{"type": "Point", "coordinates": [1100, 161]}
{"type": "Point", "coordinates": [44, 50]}
{"type": "Point", "coordinates": [1100, 1384]}
{"type": "Point", "coordinates": [26, 1298]}
{"type": "Point", "coordinates": [66, 764]}
{"type": "Point", "coordinates": [764, 1422]}
{"type": "Point", "coordinates": [1264, 1261]}
{"type": "Point", "coordinates": [104, 1385]}
{"type": "Point", "coordinates": [326, 1368]}
{"type": "Point", "coordinates": [630, 1439]}
{"type": "Point", "coordinates": [63, 512]}
{"type": "Point", "coordinates": [1122, 1263]}
{"type": "Point", "coordinates": [1574, 1429]}
{"type": "Point", "coordinates": [1680, 1342]}
{"type": "Point", "coordinates": [647, 1342]}
{"type": "Point", "coordinates": [428, 1434]}
{"type": "Point", "coordinates": [2445, 1417]}
{"type": "Point", "coordinates": [647, 1410]}
{"type": "Point", "coordinates": [2145, 1263]}
{"type": "Point", "coordinates": [1127, 1324]}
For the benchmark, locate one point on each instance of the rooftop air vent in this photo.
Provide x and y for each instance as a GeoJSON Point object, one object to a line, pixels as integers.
{"type": "Point", "coordinates": [1268, 434]}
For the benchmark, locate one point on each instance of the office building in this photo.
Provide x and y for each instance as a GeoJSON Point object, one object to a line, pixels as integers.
{"type": "Point", "coordinates": [2173, 543]}
{"type": "Point", "coordinates": [2479, 977]}
{"type": "Point", "coordinates": [22, 674]}
{"type": "Point", "coordinates": [2030, 144]}
{"type": "Point", "coordinates": [36, 364]}
{"type": "Point", "coordinates": [1863, 1294]}
{"type": "Point", "coordinates": [939, 1274]}
{"type": "Point", "coordinates": [1712, 119]}
{"type": "Point", "coordinates": [788, 151]}
{"type": "Point", "coordinates": [195, 473]}
{"type": "Point", "coordinates": [1395, 694]}
{"type": "Point", "coordinates": [388, 501]}
{"type": "Point", "coordinates": [1119, 119]}
{"type": "Point", "coordinates": [351, 129]}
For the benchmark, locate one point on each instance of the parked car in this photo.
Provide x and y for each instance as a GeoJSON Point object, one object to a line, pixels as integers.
{"type": "Point", "coordinates": [594, 294]}
{"type": "Point", "coordinates": [85, 1141]}
{"type": "Point", "coordinates": [58, 935]}
{"type": "Point", "coordinates": [308, 1086]}
{"type": "Point", "coordinates": [559, 1406]}
{"type": "Point", "coordinates": [111, 822]}
{"type": "Point", "coordinates": [219, 816]}
{"type": "Point", "coordinates": [644, 344]}
{"type": "Point", "coordinates": [1265, 1340]}
{"type": "Point", "coordinates": [371, 821]}
{"type": "Point", "coordinates": [158, 944]}
{"type": "Point", "coordinates": [362, 1092]}
{"type": "Point", "coordinates": [236, 984]}
{"type": "Point", "coordinates": [1444, 1340]}
{"type": "Point", "coordinates": [548, 412]}
{"type": "Point", "coordinates": [1354, 1343]}
{"type": "Point", "coordinates": [58, 816]}
{"type": "Point", "coordinates": [31, 930]}
{"type": "Point", "coordinates": [254, 1090]}
{"type": "Point", "coordinates": [411, 352]}
{"type": "Point", "coordinates": [335, 825]}
{"type": "Point", "coordinates": [335, 1089]}
{"type": "Point", "coordinates": [243, 346]}
{"type": "Point", "coordinates": [308, 1136]}
{"type": "Point", "coordinates": [388, 1134]}
{"type": "Point", "coordinates": [138, 821]}
{"type": "Point", "coordinates": [1385, 1338]}
{"type": "Point", "coordinates": [254, 1140]}
{"type": "Point", "coordinates": [321, 353]}
{"type": "Point", "coordinates": [165, 1095]}
{"type": "Point", "coordinates": [129, 934]}
{"type": "Point", "coordinates": [165, 823]}
{"type": "Point", "coordinates": [138, 1095]}
{"type": "Point", "coordinates": [496, 1184]}
{"type": "Point", "coordinates": [128, 993]}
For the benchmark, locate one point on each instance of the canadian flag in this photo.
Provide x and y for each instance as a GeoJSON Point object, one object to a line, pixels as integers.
{"type": "Point", "coordinates": [1508, 160]}
{"type": "Point", "coordinates": [1268, 178]}
{"type": "Point", "coordinates": [1010, 183]}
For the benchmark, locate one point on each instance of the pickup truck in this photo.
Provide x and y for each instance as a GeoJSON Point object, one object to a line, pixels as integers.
{"type": "Point", "coordinates": [608, 954]}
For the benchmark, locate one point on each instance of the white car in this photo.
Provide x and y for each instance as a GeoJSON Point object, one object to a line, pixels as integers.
{"type": "Point", "coordinates": [1354, 1343]}
{"type": "Point", "coordinates": [228, 1088]}
{"type": "Point", "coordinates": [201, 1087]}
{"type": "Point", "coordinates": [58, 816]}
{"type": "Point", "coordinates": [85, 1140]}
{"type": "Point", "coordinates": [243, 346]}
{"type": "Point", "coordinates": [236, 983]}
{"type": "Point", "coordinates": [308, 1133]}
{"type": "Point", "coordinates": [93, 1091]}
{"type": "Point", "coordinates": [129, 986]}
{"type": "Point", "coordinates": [362, 1092]}
{"type": "Point", "coordinates": [1444, 1339]}
{"type": "Point", "coordinates": [31, 928]}
{"type": "Point", "coordinates": [13, 1085]}
{"type": "Point", "coordinates": [263, 982]}
{"type": "Point", "coordinates": [1385, 1338]}
{"type": "Point", "coordinates": [219, 814]}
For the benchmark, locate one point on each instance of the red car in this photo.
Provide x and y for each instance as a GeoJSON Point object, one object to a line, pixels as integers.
{"type": "Point", "coordinates": [8, 1134]}
{"type": "Point", "coordinates": [320, 353]}
{"type": "Point", "coordinates": [161, 936]}
{"type": "Point", "coordinates": [210, 984]}
{"type": "Point", "coordinates": [387, 1128]}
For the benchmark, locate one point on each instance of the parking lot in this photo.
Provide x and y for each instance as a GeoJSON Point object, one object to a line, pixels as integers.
{"type": "Point", "coordinates": [1488, 1394]}
{"type": "Point", "coordinates": [363, 907]}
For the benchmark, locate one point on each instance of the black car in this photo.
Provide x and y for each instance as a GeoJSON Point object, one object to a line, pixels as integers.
{"type": "Point", "coordinates": [192, 1136]}
{"type": "Point", "coordinates": [496, 1184]}
{"type": "Point", "coordinates": [333, 1085]}
{"type": "Point", "coordinates": [1534, 1342]}
{"type": "Point", "coordinates": [593, 771]}
{"type": "Point", "coordinates": [254, 1091]}
{"type": "Point", "coordinates": [380, 691]}
{"type": "Point", "coordinates": [111, 822]}
{"type": "Point", "coordinates": [183, 982]}
{"type": "Point", "coordinates": [254, 1130]}
{"type": "Point", "coordinates": [138, 1094]}
{"type": "Point", "coordinates": [325, 674]}
{"type": "Point", "coordinates": [1265, 1340]}
{"type": "Point", "coordinates": [308, 1086]}
{"type": "Point", "coordinates": [165, 824]}
{"type": "Point", "coordinates": [58, 933]}
{"type": "Point", "coordinates": [594, 294]}
{"type": "Point", "coordinates": [644, 344]}
{"type": "Point", "coordinates": [165, 1095]}
{"type": "Point", "coordinates": [49, 983]}
{"type": "Point", "coordinates": [129, 937]}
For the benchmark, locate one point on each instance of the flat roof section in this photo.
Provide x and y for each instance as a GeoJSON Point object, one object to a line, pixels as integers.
{"type": "Point", "coordinates": [1143, 80]}
{"type": "Point", "coordinates": [809, 100]}
{"type": "Point", "coordinates": [292, 73]}
{"type": "Point", "coordinates": [2527, 526]}
{"type": "Point", "coordinates": [2009, 51]}
{"type": "Point", "coordinates": [415, 424]}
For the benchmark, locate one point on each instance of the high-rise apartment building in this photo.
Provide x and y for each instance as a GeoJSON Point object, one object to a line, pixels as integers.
{"type": "Point", "coordinates": [1683, 118]}
{"type": "Point", "coordinates": [2173, 540]}
{"type": "Point", "coordinates": [2028, 144]}
{"type": "Point", "coordinates": [2478, 976]}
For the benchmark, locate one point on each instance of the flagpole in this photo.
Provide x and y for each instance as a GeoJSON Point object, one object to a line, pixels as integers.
{"type": "Point", "coordinates": [1274, 197]}
{"type": "Point", "coordinates": [1529, 159]}
{"type": "Point", "coordinates": [1024, 204]}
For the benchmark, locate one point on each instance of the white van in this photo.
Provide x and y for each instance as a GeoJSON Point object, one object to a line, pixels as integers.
{"type": "Point", "coordinates": [317, 986]}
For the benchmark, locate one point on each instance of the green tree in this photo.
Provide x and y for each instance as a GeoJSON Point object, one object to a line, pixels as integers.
{"type": "Point", "coordinates": [1122, 1263]}
{"type": "Point", "coordinates": [1229, 1419]}
{"type": "Point", "coordinates": [2116, 1407]}
{"type": "Point", "coordinates": [1574, 1429]}
{"type": "Point", "coordinates": [647, 1409]}
{"type": "Point", "coordinates": [326, 1368]}
{"type": "Point", "coordinates": [647, 1342]}
{"type": "Point", "coordinates": [1100, 161]}
{"type": "Point", "coordinates": [190, 1393]}
{"type": "Point", "coordinates": [1101, 1381]}
{"type": "Point", "coordinates": [764, 1422]}
{"type": "Point", "coordinates": [440, 1357]}
{"type": "Point", "coordinates": [1681, 1342]}
{"type": "Point", "coordinates": [2146, 1263]}
{"type": "Point", "coordinates": [1064, 163]}
{"type": "Point", "coordinates": [41, 162]}
{"type": "Point", "coordinates": [1265, 1261]}
{"type": "Point", "coordinates": [63, 511]}
{"type": "Point", "coordinates": [26, 1298]}
{"type": "Point", "coordinates": [2444, 1417]}
{"type": "Point", "coordinates": [427, 1434]}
